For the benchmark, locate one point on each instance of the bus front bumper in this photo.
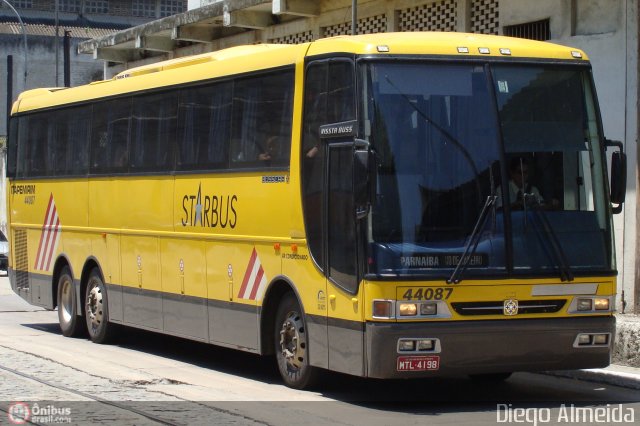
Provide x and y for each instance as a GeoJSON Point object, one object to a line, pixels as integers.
{"type": "Point", "coordinates": [487, 347]}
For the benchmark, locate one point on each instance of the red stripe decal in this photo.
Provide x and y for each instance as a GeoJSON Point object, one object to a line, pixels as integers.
{"type": "Point", "coordinates": [247, 273]}
{"type": "Point", "coordinates": [256, 283]}
{"type": "Point", "coordinates": [46, 216]}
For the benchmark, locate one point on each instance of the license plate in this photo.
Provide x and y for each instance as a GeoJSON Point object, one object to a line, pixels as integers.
{"type": "Point", "coordinates": [418, 363]}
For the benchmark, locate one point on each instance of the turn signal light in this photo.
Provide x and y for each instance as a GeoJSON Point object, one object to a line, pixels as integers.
{"type": "Point", "coordinates": [382, 309]}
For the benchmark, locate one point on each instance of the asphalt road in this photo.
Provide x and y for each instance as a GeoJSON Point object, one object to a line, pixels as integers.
{"type": "Point", "coordinates": [148, 378]}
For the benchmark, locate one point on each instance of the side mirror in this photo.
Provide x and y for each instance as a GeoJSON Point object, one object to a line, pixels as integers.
{"type": "Point", "coordinates": [618, 184]}
{"type": "Point", "coordinates": [362, 160]}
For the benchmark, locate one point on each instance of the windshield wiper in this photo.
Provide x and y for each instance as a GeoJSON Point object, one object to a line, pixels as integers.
{"type": "Point", "coordinates": [561, 258]}
{"type": "Point", "coordinates": [474, 240]}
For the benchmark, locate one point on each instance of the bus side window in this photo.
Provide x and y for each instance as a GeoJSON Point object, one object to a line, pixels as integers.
{"type": "Point", "coordinates": [204, 125]}
{"type": "Point", "coordinates": [262, 118]}
{"type": "Point", "coordinates": [70, 148]}
{"type": "Point", "coordinates": [110, 136]}
{"type": "Point", "coordinates": [154, 122]}
{"type": "Point", "coordinates": [37, 150]}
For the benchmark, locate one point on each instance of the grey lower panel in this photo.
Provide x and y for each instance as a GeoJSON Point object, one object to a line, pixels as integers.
{"type": "Point", "coordinates": [142, 307]}
{"type": "Point", "coordinates": [116, 307]}
{"type": "Point", "coordinates": [318, 344]}
{"type": "Point", "coordinates": [234, 324]}
{"type": "Point", "coordinates": [346, 346]}
{"type": "Point", "coordinates": [41, 292]}
{"type": "Point", "coordinates": [185, 316]}
{"type": "Point", "coordinates": [484, 347]}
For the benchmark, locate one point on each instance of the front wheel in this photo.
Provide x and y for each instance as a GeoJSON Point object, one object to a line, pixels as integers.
{"type": "Point", "coordinates": [97, 309]}
{"type": "Point", "coordinates": [291, 343]}
{"type": "Point", "coordinates": [70, 323]}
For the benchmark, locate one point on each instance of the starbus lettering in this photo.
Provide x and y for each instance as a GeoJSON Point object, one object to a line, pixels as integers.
{"type": "Point", "coordinates": [210, 211]}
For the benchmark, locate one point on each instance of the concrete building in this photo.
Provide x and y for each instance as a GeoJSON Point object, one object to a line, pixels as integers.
{"type": "Point", "coordinates": [83, 20]}
{"type": "Point", "coordinates": [606, 29]}
{"type": "Point", "coordinates": [46, 22]}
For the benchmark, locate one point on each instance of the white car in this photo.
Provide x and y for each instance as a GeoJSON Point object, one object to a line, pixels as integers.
{"type": "Point", "coordinates": [4, 253]}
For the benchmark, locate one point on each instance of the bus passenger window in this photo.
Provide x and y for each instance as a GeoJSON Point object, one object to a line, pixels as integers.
{"type": "Point", "coordinates": [110, 136]}
{"type": "Point", "coordinates": [262, 117]}
{"type": "Point", "coordinates": [204, 125]}
{"type": "Point", "coordinates": [153, 132]}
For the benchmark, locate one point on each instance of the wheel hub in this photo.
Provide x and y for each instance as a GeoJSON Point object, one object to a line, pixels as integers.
{"type": "Point", "coordinates": [292, 346]}
{"type": "Point", "coordinates": [66, 301]}
{"type": "Point", "coordinates": [94, 306]}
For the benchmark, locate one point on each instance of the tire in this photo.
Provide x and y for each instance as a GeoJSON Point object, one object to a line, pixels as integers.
{"type": "Point", "coordinates": [97, 310]}
{"type": "Point", "coordinates": [71, 324]}
{"type": "Point", "coordinates": [291, 345]}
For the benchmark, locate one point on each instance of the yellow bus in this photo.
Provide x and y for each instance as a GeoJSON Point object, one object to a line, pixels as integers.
{"type": "Point", "coordinates": [338, 204]}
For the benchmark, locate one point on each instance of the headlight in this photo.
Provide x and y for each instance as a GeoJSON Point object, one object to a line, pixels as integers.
{"type": "Point", "coordinates": [425, 345]}
{"type": "Point", "coordinates": [600, 339]}
{"type": "Point", "coordinates": [408, 309]}
{"type": "Point", "coordinates": [428, 309]}
{"type": "Point", "coordinates": [601, 304]}
{"type": "Point", "coordinates": [585, 304]}
{"type": "Point", "coordinates": [407, 345]}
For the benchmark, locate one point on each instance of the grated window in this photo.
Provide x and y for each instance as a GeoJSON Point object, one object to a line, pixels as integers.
{"type": "Point", "coordinates": [437, 16]}
{"type": "Point", "coordinates": [21, 257]}
{"type": "Point", "coordinates": [484, 16]}
{"type": "Point", "coordinates": [370, 25]}
{"type": "Point", "coordinates": [303, 37]}
{"type": "Point", "coordinates": [538, 30]}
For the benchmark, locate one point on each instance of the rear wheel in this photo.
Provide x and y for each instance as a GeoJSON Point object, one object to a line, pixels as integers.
{"type": "Point", "coordinates": [291, 345]}
{"type": "Point", "coordinates": [70, 323]}
{"type": "Point", "coordinates": [97, 309]}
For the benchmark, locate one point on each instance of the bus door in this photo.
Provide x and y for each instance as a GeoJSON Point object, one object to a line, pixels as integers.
{"type": "Point", "coordinates": [329, 129]}
{"type": "Point", "coordinates": [345, 323]}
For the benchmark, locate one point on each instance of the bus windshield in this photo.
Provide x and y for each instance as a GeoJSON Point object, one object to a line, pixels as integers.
{"type": "Point", "coordinates": [448, 138]}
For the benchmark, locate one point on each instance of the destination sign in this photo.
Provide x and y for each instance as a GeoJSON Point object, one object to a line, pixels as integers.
{"type": "Point", "coordinates": [442, 260]}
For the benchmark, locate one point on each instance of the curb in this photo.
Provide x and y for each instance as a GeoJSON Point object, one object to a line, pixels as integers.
{"type": "Point", "coordinates": [599, 375]}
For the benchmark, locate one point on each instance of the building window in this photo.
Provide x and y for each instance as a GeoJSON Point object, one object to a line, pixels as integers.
{"type": "Point", "coordinates": [171, 7]}
{"type": "Point", "coordinates": [485, 16]}
{"type": "Point", "coordinates": [144, 8]}
{"type": "Point", "coordinates": [96, 6]}
{"type": "Point", "coordinates": [22, 4]}
{"type": "Point", "coordinates": [437, 16]}
{"type": "Point", "coordinates": [70, 6]}
{"type": "Point", "coordinates": [538, 30]}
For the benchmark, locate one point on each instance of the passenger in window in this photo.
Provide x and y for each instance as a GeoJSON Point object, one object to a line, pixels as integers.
{"type": "Point", "coordinates": [270, 150]}
{"type": "Point", "coordinates": [521, 191]}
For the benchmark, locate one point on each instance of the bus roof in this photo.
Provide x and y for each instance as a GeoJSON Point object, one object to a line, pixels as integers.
{"type": "Point", "coordinates": [242, 59]}
{"type": "Point", "coordinates": [445, 43]}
